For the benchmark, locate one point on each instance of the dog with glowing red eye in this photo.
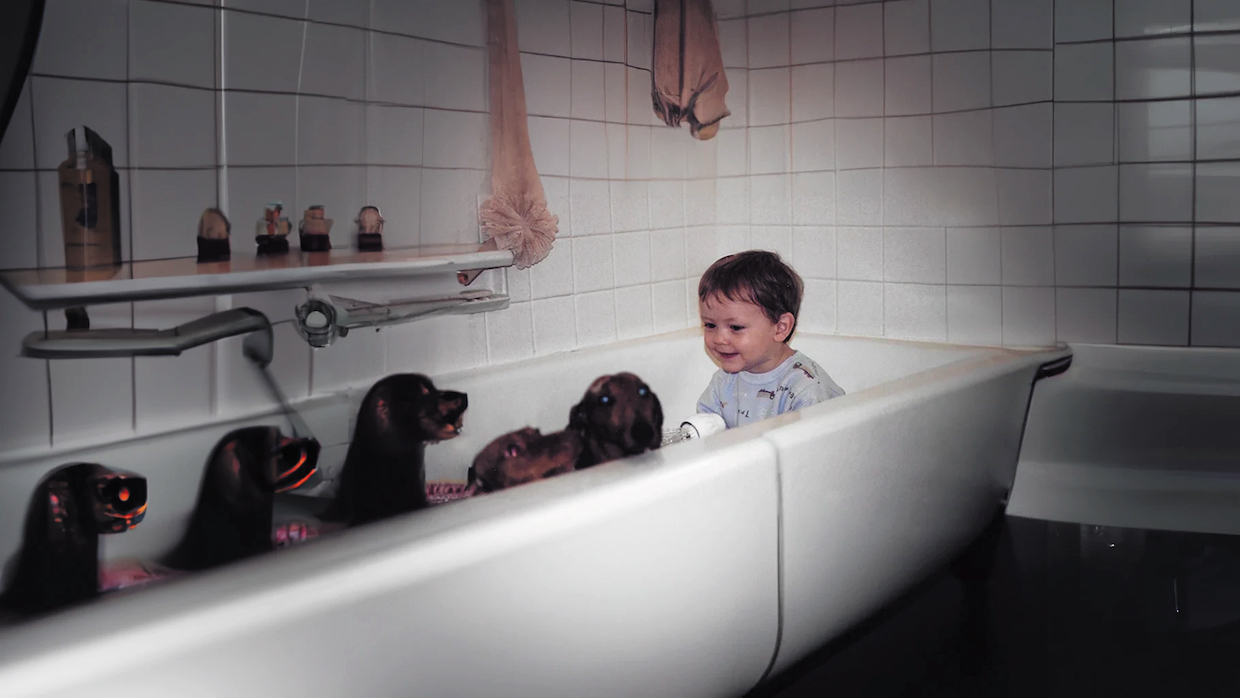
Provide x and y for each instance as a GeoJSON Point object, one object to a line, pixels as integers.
{"type": "Point", "coordinates": [619, 416]}
{"type": "Point", "coordinates": [522, 456]}
{"type": "Point", "coordinates": [384, 471]}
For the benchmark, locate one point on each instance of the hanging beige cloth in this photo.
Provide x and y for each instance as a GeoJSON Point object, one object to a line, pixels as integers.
{"type": "Point", "coordinates": [515, 217]}
{"type": "Point", "coordinates": [689, 82]}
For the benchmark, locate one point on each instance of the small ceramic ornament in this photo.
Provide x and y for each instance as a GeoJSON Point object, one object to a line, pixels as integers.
{"type": "Point", "coordinates": [369, 229]}
{"type": "Point", "coordinates": [213, 230]}
{"type": "Point", "coordinates": [273, 229]}
{"type": "Point", "coordinates": [314, 230]}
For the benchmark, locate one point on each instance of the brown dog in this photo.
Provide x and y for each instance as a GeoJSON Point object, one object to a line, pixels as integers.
{"type": "Point", "coordinates": [618, 416]}
{"type": "Point", "coordinates": [522, 456]}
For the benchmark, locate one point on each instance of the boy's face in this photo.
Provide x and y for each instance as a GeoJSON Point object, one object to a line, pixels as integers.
{"type": "Point", "coordinates": [740, 337]}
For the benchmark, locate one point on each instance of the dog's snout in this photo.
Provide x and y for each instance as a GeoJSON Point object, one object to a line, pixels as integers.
{"type": "Point", "coordinates": [642, 433]}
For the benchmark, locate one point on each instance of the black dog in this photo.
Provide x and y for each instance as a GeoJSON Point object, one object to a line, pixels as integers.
{"type": "Point", "coordinates": [384, 473]}
{"type": "Point", "coordinates": [233, 516]}
{"type": "Point", "coordinates": [619, 416]}
{"type": "Point", "coordinates": [59, 560]}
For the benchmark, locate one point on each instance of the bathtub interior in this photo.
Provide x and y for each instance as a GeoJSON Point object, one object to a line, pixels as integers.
{"type": "Point", "coordinates": [538, 392]}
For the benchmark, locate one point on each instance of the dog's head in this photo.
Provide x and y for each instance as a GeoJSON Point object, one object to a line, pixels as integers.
{"type": "Point", "coordinates": [618, 416]}
{"type": "Point", "coordinates": [249, 465]}
{"type": "Point", "coordinates": [406, 407]}
{"type": "Point", "coordinates": [522, 456]}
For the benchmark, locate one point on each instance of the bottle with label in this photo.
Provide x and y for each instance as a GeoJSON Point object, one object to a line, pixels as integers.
{"type": "Point", "coordinates": [89, 202]}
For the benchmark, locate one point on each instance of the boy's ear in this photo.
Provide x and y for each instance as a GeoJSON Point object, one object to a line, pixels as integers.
{"type": "Point", "coordinates": [784, 326]}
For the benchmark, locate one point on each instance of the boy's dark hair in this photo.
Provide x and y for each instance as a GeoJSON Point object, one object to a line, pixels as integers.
{"type": "Point", "coordinates": [758, 277]}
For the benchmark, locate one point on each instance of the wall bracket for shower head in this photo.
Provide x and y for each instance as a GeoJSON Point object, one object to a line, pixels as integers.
{"type": "Point", "coordinates": [324, 318]}
{"type": "Point", "coordinates": [106, 343]}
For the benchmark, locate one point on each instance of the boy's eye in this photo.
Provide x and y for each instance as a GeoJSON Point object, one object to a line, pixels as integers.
{"type": "Point", "coordinates": [737, 328]}
{"type": "Point", "coordinates": [710, 325]}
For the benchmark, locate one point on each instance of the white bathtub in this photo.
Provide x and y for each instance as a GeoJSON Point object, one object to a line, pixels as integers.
{"type": "Point", "coordinates": [1136, 437]}
{"type": "Point", "coordinates": [695, 570]}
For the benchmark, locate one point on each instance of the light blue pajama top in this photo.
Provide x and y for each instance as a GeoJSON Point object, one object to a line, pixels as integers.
{"type": "Point", "coordinates": [744, 398]}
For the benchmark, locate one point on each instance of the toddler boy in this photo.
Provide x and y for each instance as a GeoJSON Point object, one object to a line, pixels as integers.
{"type": "Point", "coordinates": [749, 304]}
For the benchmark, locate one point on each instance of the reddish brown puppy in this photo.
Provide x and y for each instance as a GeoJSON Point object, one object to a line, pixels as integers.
{"type": "Point", "coordinates": [522, 456]}
{"type": "Point", "coordinates": [618, 416]}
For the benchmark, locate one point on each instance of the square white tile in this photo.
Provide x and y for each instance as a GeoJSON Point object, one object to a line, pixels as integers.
{"type": "Point", "coordinates": [1022, 77]}
{"type": "Point", "coordinates": [336, 11]}
{"type": "Point", "coordinates": [813, 36]}
{"type": "Point", "coordinates": [1087, 195]}
{"type": "Point", "coordinates": [586, 20]}
{"type": "Point", "coordinates": [813, 92]}
{"type": "Point", "coordinates": [860, 143]}
{"type": "Point", "coordinates": [773, 238]}
{"type": "Point", "coordinates": [1086, 255]}
{"type": "Point", "coordinates": [737, 100]}
{"type": "Point", "coordinates": [554, 275]}
{"type": "Point", "coordinates": [1022, 24]}
{"type": "Point", "coordinates": [169, 391]}
{"type": "Point", "coordinates": [813, 251]}
{"type": "Point", "coordinates": [908, 141]}
{"type": "Point", "coordinates": [60, 105]}
{"type": "Point", "coordinates": [1215, 59]}
{"type": "Point", "coordinates": [1153, 317]}
{"type": "Point", "coordinates": [964, 138]}
{"type": "Point", "coordinates": [590, 207]}
{"type": "Point", "coordinates": [1028, 256]}
{"type": "Point", "coordinates": [818, 307]}
{"type": "Point", "coordinates": [1215, 319]}
{"type": "Point", "coordinates": [596, 318]}
{"type": "Point", "coordinates": [1023, 136]}
{"type": "Point", "coordinates": [456, 77]}
{"type": "Point", "coordinates": [967, 196]}
{"type": "Point", "coordinates": [906, 194]}
{"type": "Point", "coordinates": [668, 152]}
{"type": "Point", "coordinates": [915, 255]}
{"type": "Point", "coordinates": [1084, 72]}
{"type": "Point", "coordinates": [588, 149]}
{"type": "Point", "coordinates": [588, 91]}
{"type": "Point", "coordinates": [69, 42]}
{"type": "Point", "coordinates": [24, 423]}
{"type": "Point", "coordinates": [667, 254]}
{"type": "Point", "coordinates": [640, 40]}
{"type": "Point", "coordinates": [859, 253]}
{"type": "Point", "coordinates": [731, 239]}
{"type": "Point", "coordinates": [330, 131]}
{"type": "Point", "coordinates": [959, 25]}
{"type": "Point", "coordinates": [734, 42]}
{"type": "Point", "coordinates": [593, 264]}
{"type": "Point", "coordinates": [1082, 20]}
{"type": "Point", "coordinates": [859, 88]}
{"type": "Point", "coordinates": [1028, 316]}
{"type": "Point", "coordinates": [261, 129]}
{"type": "Point", "coordinates": [813, 146]}
{"type": "Point", "coordinates": [701, 247]}
{"type": "Point", "coordinates": [974, 256]}
{"type": "Point", "coordinates": [961, 81]}
{"type": "Point", "coordinates": [544, 26]}
{"type": "Point", "coordinates": [1216, 192]}
{"type": "Point", "coordinates": [1025, 197]}
{"type": "Point", "coordinates": [1215, 15]}
{"type": "Point", "coordinates": [185, 56]}
{"type": "Point", "coordinates": [1157, 131]}
{"type": "Point", "coordinates": [906, 27]}
{"type": "Point", "coordinates": [813, 198]}
{"type": "Point", "coordinates": [723, 8]}
{"type": "Point", "coordinates": [1152, 17]}
{"type": "Point", "coordinates": [397, 191]}
{"type": "Point", "coordinates": [510, 334]}
{"type": "Point", "coordinates": [671, 311]}
{"type": "Point", "coordinates": [630, 206]}
{"type": "Point", "coordinates": [769, 97]}
{"type": "Point", "coordinates": [768, 41]}
{"type": "Point", "coordinates": [19, 215]}
{"type": "Point", "coordinates": [549, 140]}
{"type": "Point", "coordinates": [555, 325]}
{"type": "Point", "coordinates": [171, 126]}
{"type": "Point", "coordinates": [264, 53]}
{"type": "Point", "coordinates": [449, 206]}
{"type": "Point", "coordinates": [1217, 257]}
{"type": "Point", "coordinates": [1152, 255]}
{"type": "Point", "coordinates": [456, 139]}
{"type": "Point", "coordinates": [858, 31]}
{"type": "Point", "coordinates": [1218, 128]}
{"type": "Point", "coordinates": [166, 205]}
{"type": "Point", "coordinates": [1156, 193]}
{"type": "Point", "coordinates": [975, 315]}
{"type": "Point", "coordinates": [770, 200]}
{"type": "Point", "coordinates": [700, 200]}
{"type": "Point", "coordinates": [859, 309]}
{"type": "Point", "coordinates": [1084, 134]}
{"type": "Point", "coordinates": [637, 163]}
{"type": "Point", "coordinates": [614, 30]}
{"type": "Point", "coordinates": [859, 197]}
{"type": "Point", "coordinates": [733, 158]}
{"type": "Point", "coordinates": [634, 312]}
{"type": "Point", "coordinates": [915, 311]}
{"type": "Point", "coordinates": [907, 83]}
{"type": "Point", "coordinates": [388, 78]}
{"type": "Point", "coordinates": [1086, 315]}
{"type": "Point", "coordinates": [1153, 68]}
{"type": "Point", "coordinates": [732, 200]}
{"type": "Point", "coordinates": [334, 61]}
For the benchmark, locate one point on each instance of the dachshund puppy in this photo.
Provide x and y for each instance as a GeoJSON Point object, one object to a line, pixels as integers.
{"type": "Point", "coordinates": [59, 560]}
{"type": "Point", "coordinates": [524, 456]}
{"type": "Point", "coordinates": [384, 473]}
{"type": "Point", "coordinates": [619, 416]}
{"type": "Point", "coordinates": [233, 517]}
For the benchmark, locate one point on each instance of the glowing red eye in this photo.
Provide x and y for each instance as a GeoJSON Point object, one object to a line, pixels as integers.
{"type": "Point", "coordinates": [124, 494]}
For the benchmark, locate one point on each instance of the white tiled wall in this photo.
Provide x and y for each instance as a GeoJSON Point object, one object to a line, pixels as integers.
{"type": "Point", "coordinates": [975, 171]}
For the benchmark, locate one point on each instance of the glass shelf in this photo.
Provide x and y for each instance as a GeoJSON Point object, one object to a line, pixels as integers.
{"type": "Point", "coordinates": [49, 289]}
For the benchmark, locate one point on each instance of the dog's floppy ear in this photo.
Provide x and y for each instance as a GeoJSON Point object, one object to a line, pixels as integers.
{"type": "Point", "coordinates": [578, 419]}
